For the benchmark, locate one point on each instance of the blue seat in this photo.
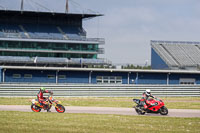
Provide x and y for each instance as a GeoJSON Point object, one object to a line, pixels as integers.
{"type": "Point", "coordinates": [42, 31]}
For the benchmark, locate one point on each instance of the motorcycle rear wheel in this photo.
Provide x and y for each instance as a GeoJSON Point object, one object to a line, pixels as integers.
{"type": "Point", "coordinates": [35, 108]}
{"type": "Point", "coordinates": [163, 111]}
{"type": "Point", "coordinates": [60, 108]}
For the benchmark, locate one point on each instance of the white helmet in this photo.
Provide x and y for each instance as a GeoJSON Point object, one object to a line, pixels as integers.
{"type": "Point", "coordinates": [148, 92]}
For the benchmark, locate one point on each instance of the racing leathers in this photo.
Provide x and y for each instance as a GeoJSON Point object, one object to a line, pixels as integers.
{"type": "Point", "coordinates": [40, 97]}
{"type": "Point", "coordinates": [144, 100]}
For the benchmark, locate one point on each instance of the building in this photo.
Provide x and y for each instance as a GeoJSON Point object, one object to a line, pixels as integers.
{"type": "Point", "coordinates": [67, 75]}
{"type": "Point", "coordinates": [46, 47]}
{"type": "Point", "coordinates": [47, 39]}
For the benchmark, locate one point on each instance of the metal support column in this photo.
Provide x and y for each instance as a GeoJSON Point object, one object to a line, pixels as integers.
{"type": "Point", "coordinates": [57, 76]}
{"type": "Point", "coordinates": [90, 77]}
{"type": "Point", "coordinates": [128, 77]}
{"type": "Point", "coordinates": [168, 78]}
{"type": "Point", "coordinates": [136, 79]}
{"type": "Point", "coordinates": [3, 78]}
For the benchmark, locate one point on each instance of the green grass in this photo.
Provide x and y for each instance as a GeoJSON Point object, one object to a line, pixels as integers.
{"type": "Point", "coordinates": [29, 122]}
{"type": "Point", "coordinates": [171, 102]}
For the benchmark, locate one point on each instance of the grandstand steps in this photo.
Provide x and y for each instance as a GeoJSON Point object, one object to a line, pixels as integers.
{"type": "Point", "coordinates": [165, 55]}
{"type": "Point", "coordinates": [192, 52]}
{"type": "Point", "coordinates": [198, 46]}
{"type": "Point", "coordinates": [199, 52]}
{"type": "Point", "coordinates": [183, 55]}
{"type": "Point", "coordinates": [170, 55]}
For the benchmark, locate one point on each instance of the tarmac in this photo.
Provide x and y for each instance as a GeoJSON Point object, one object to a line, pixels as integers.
{"type": "Point", "coordinates": [106, 110]}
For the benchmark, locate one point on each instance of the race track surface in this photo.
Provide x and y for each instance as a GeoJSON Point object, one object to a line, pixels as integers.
{"type": "Point", "coordinates": [105, 110]}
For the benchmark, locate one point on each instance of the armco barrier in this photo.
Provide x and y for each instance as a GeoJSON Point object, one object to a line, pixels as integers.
{"type": "Point", "coordinates": [25, 90]}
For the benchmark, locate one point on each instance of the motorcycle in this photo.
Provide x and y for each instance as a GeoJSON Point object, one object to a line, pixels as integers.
{"type": "Point", "coordinates": [154, 106]}
{"type": "Point", "coordinates": [37, 107]}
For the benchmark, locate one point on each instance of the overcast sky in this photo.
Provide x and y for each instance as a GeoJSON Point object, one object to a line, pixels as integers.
{"type": "Point", "coordinates": [129, 25]}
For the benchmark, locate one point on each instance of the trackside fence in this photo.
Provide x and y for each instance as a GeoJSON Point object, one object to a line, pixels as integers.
{"type": "Point", "coordinates": [85, 90]}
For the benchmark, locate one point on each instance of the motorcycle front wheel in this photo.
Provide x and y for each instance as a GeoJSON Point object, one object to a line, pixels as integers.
{"type": "Point", "coordinates": [163, 111]}
{"type": "Point", "coordinates": [139, 111]}
{"type": "Point", "coordinates": [59, 108]}
{"type": "Point", "coordinates": [35, 108]}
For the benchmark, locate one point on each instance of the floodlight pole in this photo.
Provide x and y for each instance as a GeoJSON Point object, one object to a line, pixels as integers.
{"type": "Point", "coordinates": [67, 6]}
{"type": "Point", "coordinates": [22, 6]}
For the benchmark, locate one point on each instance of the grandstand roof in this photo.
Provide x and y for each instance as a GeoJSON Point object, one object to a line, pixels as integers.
{"type": "Point", "coordinates": [101, 69]}
{"type": "Point", "coordinates": [40, 13]}
{"type": "Point", "coordinates": [178, 53]}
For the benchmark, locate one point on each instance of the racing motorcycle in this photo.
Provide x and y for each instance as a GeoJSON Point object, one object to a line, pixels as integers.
{"type": "Point", "coordinates": [154, 106]}
{"type": "Point", "coordinates": [37, 107]}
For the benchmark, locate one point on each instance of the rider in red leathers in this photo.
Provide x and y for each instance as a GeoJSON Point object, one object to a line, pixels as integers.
{"type": "Point", "coordinates": [144, 100]}
{"type": "Point", "coordinates": [41, 99]}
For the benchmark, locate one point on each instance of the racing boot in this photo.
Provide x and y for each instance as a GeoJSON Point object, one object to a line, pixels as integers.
{"type": "Point", "coordinates": [48, 110]}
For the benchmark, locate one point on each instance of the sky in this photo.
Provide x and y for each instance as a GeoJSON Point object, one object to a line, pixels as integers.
{"type": "Point", "coordinates": [129, 25]}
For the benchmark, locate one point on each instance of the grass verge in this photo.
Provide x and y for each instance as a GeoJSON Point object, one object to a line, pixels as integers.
{"type": "Point", "coordinates": [21, 122]}
{"type": "Point", "coordinates": [171, 102]}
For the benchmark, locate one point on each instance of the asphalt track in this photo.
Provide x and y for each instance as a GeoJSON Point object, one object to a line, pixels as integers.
{"type": "Point", "coordinates": [105, 110]}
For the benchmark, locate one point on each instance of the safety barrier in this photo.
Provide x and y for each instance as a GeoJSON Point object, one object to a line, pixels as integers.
{"type": "Point", "coordinates": [25, 90]}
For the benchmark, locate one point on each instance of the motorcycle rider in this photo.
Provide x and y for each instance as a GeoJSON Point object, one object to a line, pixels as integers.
{"type": "Point", "coordinates": [42, 99]}
{"type": "Point", "coordinates": [144, 100]}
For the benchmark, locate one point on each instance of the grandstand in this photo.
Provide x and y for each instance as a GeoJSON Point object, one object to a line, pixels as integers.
{"type": "Point", "coordinates": [53, 48]}
{"type": "Point", "coordinates": [175, 55]}
{"type": "Point", "coordinates": [46, 38]}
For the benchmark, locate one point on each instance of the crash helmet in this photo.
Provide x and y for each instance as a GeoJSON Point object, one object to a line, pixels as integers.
{"type": "Point", "coordinates": [42, 89]}
{"type": "Point", "coordinates": [148, 92]}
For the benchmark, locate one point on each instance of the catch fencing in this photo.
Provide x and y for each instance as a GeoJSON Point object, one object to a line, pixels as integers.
{"type": "Point", "coordinates": [26, 90]}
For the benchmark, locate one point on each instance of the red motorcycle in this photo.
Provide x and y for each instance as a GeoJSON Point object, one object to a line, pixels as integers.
{"type": "Point", "coordinates": [153, 106]}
